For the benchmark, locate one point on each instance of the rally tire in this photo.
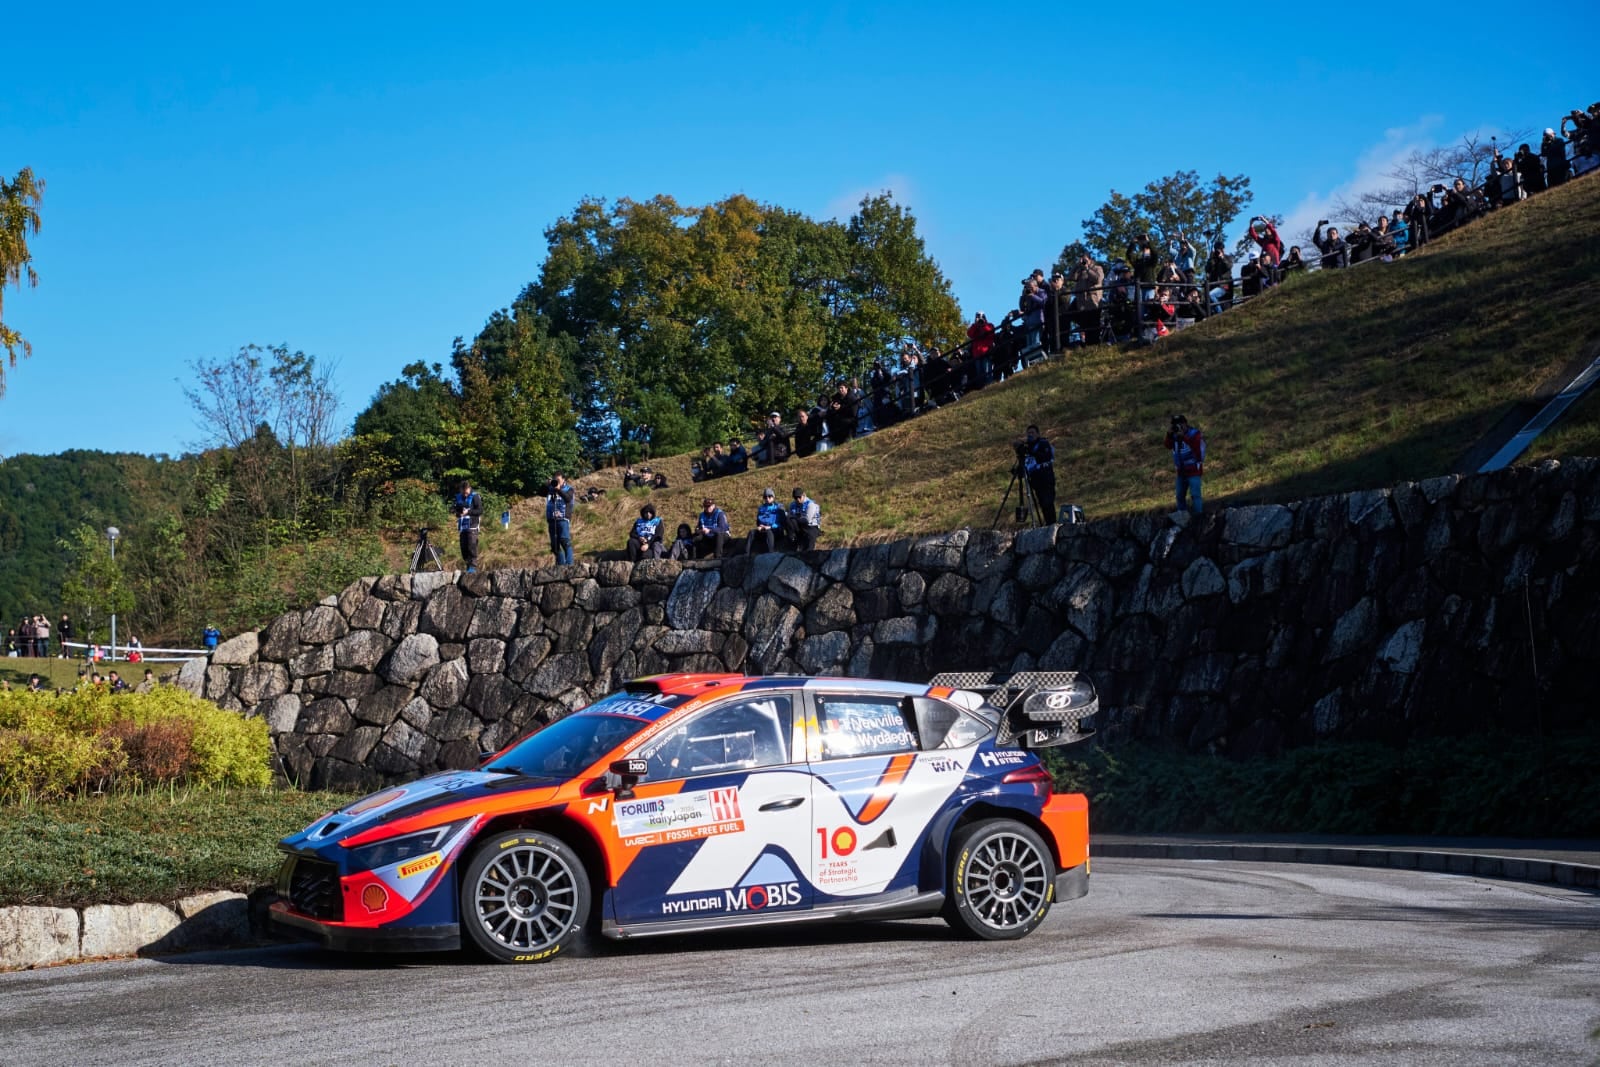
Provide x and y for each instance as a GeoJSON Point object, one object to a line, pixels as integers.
{"type": "Point", "coordinates": [1002, 880]}
{"type": "Point", "coordinates": [525, 898]}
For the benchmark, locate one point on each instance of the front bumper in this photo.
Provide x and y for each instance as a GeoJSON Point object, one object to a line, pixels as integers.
{"type": "Point", "coordinates": [444, 937]}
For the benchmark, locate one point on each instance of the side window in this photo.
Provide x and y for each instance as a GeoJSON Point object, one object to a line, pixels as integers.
{"type": "Point", "coordinates": [944, 725]}
{"type": "Point", "coordinates": [863, 726]}
{"type": "Point", "coordinates": [740, 736]}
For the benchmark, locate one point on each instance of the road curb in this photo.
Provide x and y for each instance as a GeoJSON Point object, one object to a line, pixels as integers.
{"type": "Point", "coordinates": [41, 936]}
{"type": "Point", "coordinates": [1512, 868]}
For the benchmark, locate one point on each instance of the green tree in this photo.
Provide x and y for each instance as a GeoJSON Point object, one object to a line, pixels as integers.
{"type": "Point", "coordinates": [403, 426]}
{"type": "Point", "coordinates": [1177, 205]}
{"type": "Point", "coordinates": [94, 587]}
{"type": "Point", "coordinates": [19, 219]}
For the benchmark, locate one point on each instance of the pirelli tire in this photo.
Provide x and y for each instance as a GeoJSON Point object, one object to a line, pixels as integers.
{"type": "Point", "coordinates": [1002, 880]}
{"type": "Point", "coordinates": [525, 898]}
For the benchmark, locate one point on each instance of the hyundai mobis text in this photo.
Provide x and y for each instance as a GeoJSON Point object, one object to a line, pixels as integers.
{"type": "Point", "coordinates": [697, 802]}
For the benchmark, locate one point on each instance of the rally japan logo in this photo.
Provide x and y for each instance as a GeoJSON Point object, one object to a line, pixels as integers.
{"type": "Point", "coordinates": [679, 817]}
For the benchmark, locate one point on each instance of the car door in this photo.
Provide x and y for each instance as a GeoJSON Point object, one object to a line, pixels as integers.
{"type": "Point", "coordinates": [874, 793]}
{"type": "Point", "coordinates": [720, 826]}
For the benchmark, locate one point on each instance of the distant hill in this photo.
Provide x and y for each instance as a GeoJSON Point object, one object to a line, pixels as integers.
{"type": "Point", "coordinates": [42, 498]}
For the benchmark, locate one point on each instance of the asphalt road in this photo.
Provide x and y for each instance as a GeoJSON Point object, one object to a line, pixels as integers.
{"type": "Point", "coordinates": [1164, 962]}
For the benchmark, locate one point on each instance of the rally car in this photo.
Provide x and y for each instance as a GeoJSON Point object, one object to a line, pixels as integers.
{"type": "Point", "coordinates": [695, 802]}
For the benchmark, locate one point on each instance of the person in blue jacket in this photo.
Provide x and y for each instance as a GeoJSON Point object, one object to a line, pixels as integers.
{"type": "Point", "coordinates": [645, 541]}
{"type": "Point", "coordinates": [711, 531]}
{"type": "Point", "coordinates": [558, 516]}
{"type": "Point", "coordinates": [468, 507]}
{"type": "Point", "coordinates": [1188, 456]}
{"type": "Point", "coordinates": [805, 521]}
{"type": "Point", "coordinates": [769, 523]}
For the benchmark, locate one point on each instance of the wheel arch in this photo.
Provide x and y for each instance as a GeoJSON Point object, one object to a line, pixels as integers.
{"type": "Point", "coordinates": [981, 810]}
{"type": "Point", "coordinates": [557, 824]}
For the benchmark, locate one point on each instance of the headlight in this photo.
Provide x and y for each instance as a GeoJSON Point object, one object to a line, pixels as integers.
{"type": "Point", "coordinates": [406, 846]}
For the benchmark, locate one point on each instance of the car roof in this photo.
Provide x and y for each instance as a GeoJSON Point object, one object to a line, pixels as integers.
{"type": "Point", "coordinates": [695, 684]}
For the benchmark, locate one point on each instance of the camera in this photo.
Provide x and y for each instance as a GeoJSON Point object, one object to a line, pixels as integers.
{"type": "Point", "coordinates": [1322, 222]}
{"type": "Point", "coordinates": [1176, 420]}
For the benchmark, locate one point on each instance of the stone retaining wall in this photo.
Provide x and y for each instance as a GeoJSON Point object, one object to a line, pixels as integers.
{"type": "Point", "coordinates": [39, 936]}
{"type": "Point", "coordinates": [1449, 605]}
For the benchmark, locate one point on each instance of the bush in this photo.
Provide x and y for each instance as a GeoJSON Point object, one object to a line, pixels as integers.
{"type": "Point", "coordinates": [91, 739]}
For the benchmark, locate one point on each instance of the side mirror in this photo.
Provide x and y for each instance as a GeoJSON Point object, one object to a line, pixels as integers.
{"type": "Point", "coordinates": [628, 772]}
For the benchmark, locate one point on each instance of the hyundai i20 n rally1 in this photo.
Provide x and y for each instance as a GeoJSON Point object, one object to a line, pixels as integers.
{"type": "Point", "coordinates": [704, 802]}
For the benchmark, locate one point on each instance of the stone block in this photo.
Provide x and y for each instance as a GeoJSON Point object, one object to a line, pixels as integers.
{"type": "Point", "coordinates": [125, 929]}
{"type": "Point", "coordinates": [35, 937]}
{"type": "Point", "coordinates": [237, 651]}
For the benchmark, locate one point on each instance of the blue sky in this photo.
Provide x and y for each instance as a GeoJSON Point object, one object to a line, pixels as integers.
{"type": "Point", "coordinates": [367, 183]}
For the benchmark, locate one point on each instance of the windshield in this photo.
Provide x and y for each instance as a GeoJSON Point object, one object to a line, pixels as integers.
{"type": "Point", "coordinates": [571, 745]}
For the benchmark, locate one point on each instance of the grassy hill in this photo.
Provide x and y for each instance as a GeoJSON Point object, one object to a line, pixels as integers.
{"type": "Point", "coordinates": [1335, 381]}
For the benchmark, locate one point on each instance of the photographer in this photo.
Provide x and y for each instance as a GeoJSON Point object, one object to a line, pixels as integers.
{"type": "Point", "coordinates": [1266, 236]}
{"type": "Point", "coordinates": [1219, 279]}
{"type": "Point", "coordinates": [1142, 258]}
{"type": "Point", "coordinates": [981, 334]}
{"type": "Point", "coordinates": [468, 509]}
{"type": "Point", "coordinates": [1416, 216]}
{"type": "Point", "coordinates": [558, 516]}
{"type": "Point", "coordinates": [1087, 279]}
{"type": "Point", "coordinates": [1183, 255]}
{"type": "Point", "coordinates": [1035, 296]}
{"type": "Point", "coordinates": [1188, 448]}
{"type": "Point", "coordinates": [1335, 253]}
{"type": "Point", "coordinates": [1038, 461]}
{"type": "Point", "coordinates": [1530, 168]}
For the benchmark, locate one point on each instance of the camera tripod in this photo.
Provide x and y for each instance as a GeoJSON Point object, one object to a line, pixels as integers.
{"type": "Point", "coordinates": [424, 552]}
{"type": "Point", "coordinates": [1027, 507]}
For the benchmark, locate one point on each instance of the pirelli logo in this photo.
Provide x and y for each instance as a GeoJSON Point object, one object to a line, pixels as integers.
{"type": "Point", "coordinates": [417, 866]}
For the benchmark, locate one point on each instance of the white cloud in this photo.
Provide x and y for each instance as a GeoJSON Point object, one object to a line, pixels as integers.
{"type": "Point", "coordinates": [846, 203]}
{"type": "Point", "coordinates": [1371, 170]}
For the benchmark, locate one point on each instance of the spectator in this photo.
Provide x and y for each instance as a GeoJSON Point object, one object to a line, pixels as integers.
{"type": "Point", "coordinates": [682, 544]}
{"type": "Point", "coordinates": [805, 521]}
{"type": "Point", "coordinates": [1554, 151]}
{"type": "Point", "coordinates": [1292, 262]}
{"type": "Point", "coordinates": [769, 523]}
{"type": "Point", "coordinates": [711, 532]}
{"type": "Point", "coordinates": [738, 461]}
{"type": "Point", "coordinates": [1417, 221]}
{"type": "Point", "coordinates": [1335, 253]}
{"type": "Point", "coordinates": [135, 650]}
{"type": "Point", "coordinates": [805, 434]}
{"type": "Point", "coordinates": [1188, 448]}
{"type": "Point", "coordinates": [25, 635]}
{"type": "Point", "coordinates": [631, 478]}
{"type": "Point", "coordinates": [842, 414]}
{"type": "Point", "coordinates": [210, 637]}
{"type": "Point", "coordinates": [149, 683]}
{"type": "Point", "coordinates": [718, 460]}
{"type": "Point", "coordinates": [819, 420]}
{"type": "Point", "coordinates": [1143, 261]}
{"type": "Point", "coordinates": [41, 635]}
{"type": "Point", "coordinates": [881, 381]}
{"type": "Point", "coordinates": [1399, 232]}
{"type": "Point", "coordinates": [981, 334]}
{"type": "Point", "coordinates": [936, 379]}
{"type": "Point", "coordinates": [1383, 242]}
{"type": "Point", "coordinates": [645, 542]}
{"type": "Point", "coordinates": [1252, 277]}
{"type": "Point", "coordinates": [116, 683]}
{"type": "Point", "coordinates": [1266, 235]}
{"type": "Point", "coordinates": [1088, 277]}
{"type": "Point", "coordinates": [1530, 169]}
{"type": "Point", "coordinates": [63, 635]}
{"type": "Point", "coordinates": [1359, 243]}
{"type": "Point", "coordinates": [1032, 305]}
{"type": "Point", "coordinates": [558, 517]}
{"type": "Point", "coordinates": [1183, 254]}
{"type": "Point", "coordinates": [772, 444]}
{"type": "Point", "coordinates": [1039, 464]}
{"type": "Point", "coordinates": [35, 683]}
{"type": "Point", "coordinates": [1219, 279]}
{"type": "Point", "coordinates": [1509, 180]}
{"type": "Point", "coordinates": [13, 644]}
{"type": "Point", "coordinates": [468, 507]}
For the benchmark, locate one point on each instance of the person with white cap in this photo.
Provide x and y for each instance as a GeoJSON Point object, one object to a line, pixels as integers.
{"type": "Point", "coordinates": [1554, 151]}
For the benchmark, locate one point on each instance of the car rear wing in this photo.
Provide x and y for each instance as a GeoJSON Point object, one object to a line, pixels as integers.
{"type": "Point", "coordinates": [1038, 709]}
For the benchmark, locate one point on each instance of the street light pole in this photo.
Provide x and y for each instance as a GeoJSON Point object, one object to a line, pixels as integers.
{"type": "Point", "coordinates": [112, 533]}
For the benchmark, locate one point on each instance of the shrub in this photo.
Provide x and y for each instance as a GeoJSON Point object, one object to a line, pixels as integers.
{"type": "Point", "coordinates": [56, 745]}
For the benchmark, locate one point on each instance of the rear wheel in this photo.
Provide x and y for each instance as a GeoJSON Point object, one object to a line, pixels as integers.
{"type": "Point", "coordinates": [524, 897]}
{"type": "Point", "coordinates": [1002, 880]}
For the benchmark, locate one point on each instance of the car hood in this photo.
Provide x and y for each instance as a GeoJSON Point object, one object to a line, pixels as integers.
{"type": "Point", "coordinates": [413, 798]}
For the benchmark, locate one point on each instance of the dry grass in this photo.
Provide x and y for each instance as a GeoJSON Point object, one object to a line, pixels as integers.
{"type": "Point", "coordinates": [1336, 381]}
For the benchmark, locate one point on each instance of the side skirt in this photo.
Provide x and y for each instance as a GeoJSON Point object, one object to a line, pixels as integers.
{"type": "Point", "coordinates": [904, 904]}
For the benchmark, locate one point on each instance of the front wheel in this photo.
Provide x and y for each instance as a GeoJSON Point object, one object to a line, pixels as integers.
{"type": "Point", "coordinates": [1002, 880]}
{"type": "Point", "coordinates": [524, 897]}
